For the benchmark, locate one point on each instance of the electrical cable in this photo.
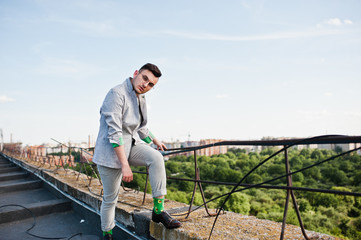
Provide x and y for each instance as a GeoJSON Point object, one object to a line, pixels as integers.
{"type": "Point", "coordinates": [34, 224]}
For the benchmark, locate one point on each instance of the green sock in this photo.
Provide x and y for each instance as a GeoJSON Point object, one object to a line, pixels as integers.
{"type": "Point", "coordinates": [158, 205]}
{"type": "Point", "coordinates": [109, 232]}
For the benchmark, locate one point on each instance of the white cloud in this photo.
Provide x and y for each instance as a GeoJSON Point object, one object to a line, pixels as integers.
{"type": "Point", "coordinates": [6, 99]}
{"type": "Point", "coordinates": [272, 36]}
{"type": "Point", "coordinates": [328, 94]}
{"type": "Point", "coordinates": [334, 21]}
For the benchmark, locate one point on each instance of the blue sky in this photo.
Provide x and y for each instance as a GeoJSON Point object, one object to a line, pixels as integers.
{"type": "Point", "coordinates": [231, 69]}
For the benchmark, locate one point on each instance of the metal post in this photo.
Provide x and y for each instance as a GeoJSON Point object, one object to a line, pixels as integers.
{"type": "Point", "coordinates": [290, 192]}
{"type": "Point", "coordinates": [288, 179]}
{"type": "Point", "coordinates": [197, 182]}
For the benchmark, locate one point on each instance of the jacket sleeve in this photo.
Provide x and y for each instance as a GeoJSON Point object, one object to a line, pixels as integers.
{"type": "Point", "coordinates": [145, 134]}
{"type": "Point", "coordinates": [112, 110]}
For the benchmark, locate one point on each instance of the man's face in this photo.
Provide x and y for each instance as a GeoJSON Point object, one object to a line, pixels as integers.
{"type": "Point", "coordinates": [143, 81]}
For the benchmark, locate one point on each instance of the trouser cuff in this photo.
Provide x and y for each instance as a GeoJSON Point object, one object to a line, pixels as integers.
{"type": "Point", "coordinates": [159, 193]}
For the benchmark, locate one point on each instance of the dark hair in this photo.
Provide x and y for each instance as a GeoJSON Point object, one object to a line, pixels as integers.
{"type": "Point", "coordinates": [153, 68]}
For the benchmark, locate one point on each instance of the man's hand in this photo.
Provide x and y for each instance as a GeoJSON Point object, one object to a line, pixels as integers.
{"type": "Point", "coordinates": [127, 173]}
{"type": "Point", "coordinates": [160, 145]}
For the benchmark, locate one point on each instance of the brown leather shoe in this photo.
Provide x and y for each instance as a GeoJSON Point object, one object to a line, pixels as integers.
{"type": "Point", "coordinates": [166, 220]}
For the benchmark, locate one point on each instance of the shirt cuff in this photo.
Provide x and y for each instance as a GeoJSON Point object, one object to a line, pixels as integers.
{"type": "Point", "coordinates": [115, 145]}
{"type": "Point", "coordinates": [149, 139]}
{"type": "Point", "coordinates": [121, 142]}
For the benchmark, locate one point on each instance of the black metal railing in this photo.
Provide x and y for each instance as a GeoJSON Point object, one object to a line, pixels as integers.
{"type": "Point", "coordinates": [286, 143]}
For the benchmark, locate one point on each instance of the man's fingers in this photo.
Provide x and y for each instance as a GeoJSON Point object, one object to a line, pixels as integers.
{"type": "Point", "coordinates": [127, 179]}
{"type": "Point", "coordinates": [161, 147]}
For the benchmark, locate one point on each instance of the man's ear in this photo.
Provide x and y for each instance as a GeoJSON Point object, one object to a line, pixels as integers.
{"type": "Point", "coordinates": [135, 73]}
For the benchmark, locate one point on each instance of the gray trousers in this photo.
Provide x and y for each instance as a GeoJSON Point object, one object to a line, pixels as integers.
{"type": "Point", "coordinates": [140, 155]}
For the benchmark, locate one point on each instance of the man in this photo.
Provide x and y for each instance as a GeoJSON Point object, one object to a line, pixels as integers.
{"type": "Point", "coordinates": [123, 141]}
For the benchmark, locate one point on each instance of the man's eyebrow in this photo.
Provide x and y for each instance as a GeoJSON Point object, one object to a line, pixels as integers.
{"type": "Point", "coordinates": [145, 77]}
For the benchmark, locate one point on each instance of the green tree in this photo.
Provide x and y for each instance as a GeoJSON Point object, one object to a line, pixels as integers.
{"type": "Point", "coordinates": [335, 176]}
{"type": "Point", "coordinates": [306, 152]}
{"type": "Point", "coordinates": [172, 166]}
{"type": "Point", "coordinates": [317, 154]}
{"type": "Point", "coordinates": [231, 155]}
{"type": "Point", "coordinates": [298, 177]}
{"type": "Point", "coordinates": [357, 224]}
{"type": "Point", "coordinates": [304, 205]}
{"type": "Point", "coordinates": [296, 162]}
{"type": "Point", "coordinates": [276, 170]}
{"type": "Point", "coordinates": [239, 203]}
{"type": "Point", "coordinates": [254, 179]}
{"type": "Point", "coordinates": [357, 179]}
{"type": "Point", "coordinates": [345, 199]}
{"type": "Point", "coordinates": [326, 200]}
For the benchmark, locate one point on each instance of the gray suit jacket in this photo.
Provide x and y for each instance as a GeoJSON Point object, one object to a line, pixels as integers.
{"type": "Point", "coordinates": [122, 121]}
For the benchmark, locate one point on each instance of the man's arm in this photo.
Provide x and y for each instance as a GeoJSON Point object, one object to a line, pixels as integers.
{"type": "Point", "coordinates": [112, 109]}
{"type": "Point", "coordinates": [126, 170]}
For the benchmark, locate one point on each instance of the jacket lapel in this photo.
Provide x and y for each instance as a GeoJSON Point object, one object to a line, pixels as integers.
{"type": "Point", "coordinates": [143, 110]}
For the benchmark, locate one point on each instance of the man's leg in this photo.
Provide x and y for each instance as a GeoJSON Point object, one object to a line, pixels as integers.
{"type": "Point", "coordinates": [111, 179]}
{"type": "Point", "coordinates": [144, 155]}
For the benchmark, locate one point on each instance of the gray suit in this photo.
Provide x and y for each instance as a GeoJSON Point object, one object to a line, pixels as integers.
{"type": "Point", "coordinates": [123, 122]}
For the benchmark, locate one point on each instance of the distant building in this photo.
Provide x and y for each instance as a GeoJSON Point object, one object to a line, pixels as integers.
{"type": "Point", "coordinates": [247, 148]}
{"type": "Point", "coordinates": [211, 150]}
{"type": "Point", "coordinates": [178, 146]}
